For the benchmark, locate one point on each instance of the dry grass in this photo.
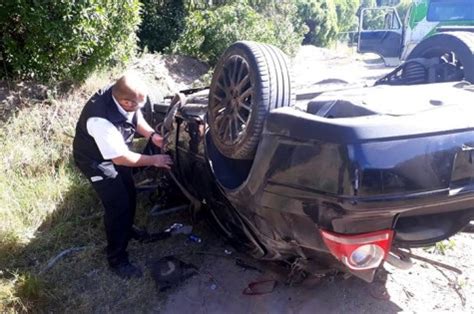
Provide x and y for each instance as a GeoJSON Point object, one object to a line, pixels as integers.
{"type": "Point", "coordinates": [45, 208]}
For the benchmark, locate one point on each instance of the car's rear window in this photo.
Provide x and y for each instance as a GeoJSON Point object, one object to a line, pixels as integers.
{"type": "Point", "coordinates": [450, 10]}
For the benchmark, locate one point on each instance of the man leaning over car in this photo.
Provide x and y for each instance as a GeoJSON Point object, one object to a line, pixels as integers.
{"type": "Point", "coordinates": [101, 149]}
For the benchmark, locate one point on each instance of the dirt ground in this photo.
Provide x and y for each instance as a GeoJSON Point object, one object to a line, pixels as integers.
{"type": "Point", "coordinates": [219, 286]}
{"type": "Point", "coordinates": [424, 288]}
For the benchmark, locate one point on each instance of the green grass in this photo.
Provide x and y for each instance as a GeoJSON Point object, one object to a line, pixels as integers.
{"type": "Point", "coordinates": [45, 204]}
{"type": "Point", "coordinates": [47, 207]}
{"type": "Point", "coordinates": [442, 247]}
{"type": "Point", "coordinates": [42, 197]}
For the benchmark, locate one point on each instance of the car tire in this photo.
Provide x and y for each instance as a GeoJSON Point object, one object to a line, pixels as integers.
{"type": "Point", "coordinates": [250, 79]}
{"type": "Point", "coordinates": [459, 43]}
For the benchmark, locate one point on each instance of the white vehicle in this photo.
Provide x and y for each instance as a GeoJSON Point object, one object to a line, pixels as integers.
{"type": "Point", "coordinates": [382, 32]}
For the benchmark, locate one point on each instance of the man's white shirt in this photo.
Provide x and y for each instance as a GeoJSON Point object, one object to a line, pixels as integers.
{"type": "Point", "coordinates": [108, 139]}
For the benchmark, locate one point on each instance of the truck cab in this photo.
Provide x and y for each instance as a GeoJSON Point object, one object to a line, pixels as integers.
{"type": "Point", "coordinates": [383, 32]}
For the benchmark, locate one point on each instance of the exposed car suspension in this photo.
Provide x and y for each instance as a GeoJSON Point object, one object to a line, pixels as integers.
{"type": "Point", "coordinates": [422, 71]}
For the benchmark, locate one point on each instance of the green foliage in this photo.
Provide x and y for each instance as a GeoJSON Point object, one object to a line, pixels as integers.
{"type": "Point", "coordinates": [382, 18]}
{"type": "Point", "coordinates": [444, 246]}
{"type": "Point", "coordinates": [162, 23]}
{"type": "Point", "coordinates": [346, 15]}
{"type": "Point", "coordinates": [288, 34]}
{"type": "Point", "coordinates": [61, 40]}
{"type": "Point", "coordinates": [368, 3]}
{"type": "Point", "coordinates": [321, 19]}
{"type": "Point", "coordinates": [210, 31]}
{"type": "Point", "coordinates": [30, 289]}
{"type": "Point", "coordinates": [372, 19]}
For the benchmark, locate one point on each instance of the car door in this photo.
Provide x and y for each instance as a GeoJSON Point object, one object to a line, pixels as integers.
{"type": "Point", "coordinates": [381, 32]}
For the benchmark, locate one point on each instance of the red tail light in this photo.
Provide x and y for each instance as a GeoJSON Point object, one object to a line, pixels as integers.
{"type": "Point", "coordinates": [362, 251]}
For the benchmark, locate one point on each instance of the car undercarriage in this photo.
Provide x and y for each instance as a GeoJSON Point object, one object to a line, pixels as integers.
{"type": "Point", "coordinates": [343, 179]}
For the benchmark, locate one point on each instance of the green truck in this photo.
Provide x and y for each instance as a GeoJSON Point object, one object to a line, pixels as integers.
{"type": "Point", "coordinates": [381, 31]}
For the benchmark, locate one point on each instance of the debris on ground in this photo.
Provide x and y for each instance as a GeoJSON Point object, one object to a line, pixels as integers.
{"type": "Point", "coordinates": [178, 228]}
{"type": "Point", "coordinates": [169, 272]}
{"type": "Point", "coordinates": [64, 253]}
{"type": "Point", "coordinates": [194, 238]}
{"type": "Point", "coordinates": [260, 287]}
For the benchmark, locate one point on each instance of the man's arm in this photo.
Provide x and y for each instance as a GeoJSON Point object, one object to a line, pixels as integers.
{"type": "Point", "coordinates": [145, 130]}
{"type": "Point", "coordinates": [111, 146]}
{"type": "Point", "coordinates": [132, 159]}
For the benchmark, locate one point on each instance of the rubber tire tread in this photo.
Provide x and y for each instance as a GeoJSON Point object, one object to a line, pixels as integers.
{"type": "Point", "coordinates": [462, 44]}
{"type": "Point", "coordinates": [274, 83]}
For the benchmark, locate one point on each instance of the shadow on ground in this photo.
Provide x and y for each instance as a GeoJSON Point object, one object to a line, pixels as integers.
{"type": "Point", "coordinates": [220, 288]}
{"type": "Point", "coordinates": [63, 268]}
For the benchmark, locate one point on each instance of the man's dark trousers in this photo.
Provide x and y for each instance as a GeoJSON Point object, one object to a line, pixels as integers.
{"type": "Point", "coordinates": [118, 196]}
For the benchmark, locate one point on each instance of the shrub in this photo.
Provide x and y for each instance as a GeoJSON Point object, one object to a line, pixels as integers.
{"type": "Point", "coordinates": [209, 32]}
{"type": "Point", "coordinates": [346, 15]}
{"type": "Point", "coordinates": [58, 40]}
{"type": "Point", "coordinates": [162, 23]}
{"type": "Point", "coordinates": [373, 19]}
{"type": "Point", "coordinates": [376, 19]}
{"type": "Point", "coordinates": [321, 19]}
{"type": "Point", "coordinates": [289, 30]}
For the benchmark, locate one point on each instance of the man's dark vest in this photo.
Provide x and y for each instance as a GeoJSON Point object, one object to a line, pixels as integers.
{"type": "Point", "coordinates": [85, 150]}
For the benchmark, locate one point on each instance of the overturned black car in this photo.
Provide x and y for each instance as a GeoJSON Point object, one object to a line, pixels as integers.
{"type": "Point", "coordinates": [340, 180]}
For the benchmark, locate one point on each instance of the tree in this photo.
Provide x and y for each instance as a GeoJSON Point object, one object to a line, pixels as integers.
{"type": "Point", "coordinates": [62, 40]}
{"type": "Point", "coordinates": [346, 14]}
{"type": "Point", "coordinates": [163, 21]}
{"type": "Point", "coordinates": [320, 18]}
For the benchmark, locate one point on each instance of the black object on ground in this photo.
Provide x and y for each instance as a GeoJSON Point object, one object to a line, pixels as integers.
{"type": "Point", "coordinates": [141, 235]}
{"type": "Point", "coordinates": [170, 271]}
{"type": "Point", "coordinates": [126, 270]}
{"type": "Point", "coordinates": [158, 210]}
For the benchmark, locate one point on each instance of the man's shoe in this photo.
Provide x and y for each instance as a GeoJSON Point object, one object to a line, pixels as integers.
{"type": "Point", "coordinates": [126, 270]}
{"type": "Point", "coordinates": [138, 234]}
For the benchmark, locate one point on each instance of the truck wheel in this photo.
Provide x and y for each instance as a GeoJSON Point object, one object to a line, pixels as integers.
{"type": "Point", "coordinates": [250, 79]}
{"type": "Point", "coordinates": [456, 48]}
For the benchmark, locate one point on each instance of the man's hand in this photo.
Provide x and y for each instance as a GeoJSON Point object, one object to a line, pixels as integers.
{"type": "Point", "coordinates": [162, 161]}
{"type": "Point", "coordinates": [157, 140]}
